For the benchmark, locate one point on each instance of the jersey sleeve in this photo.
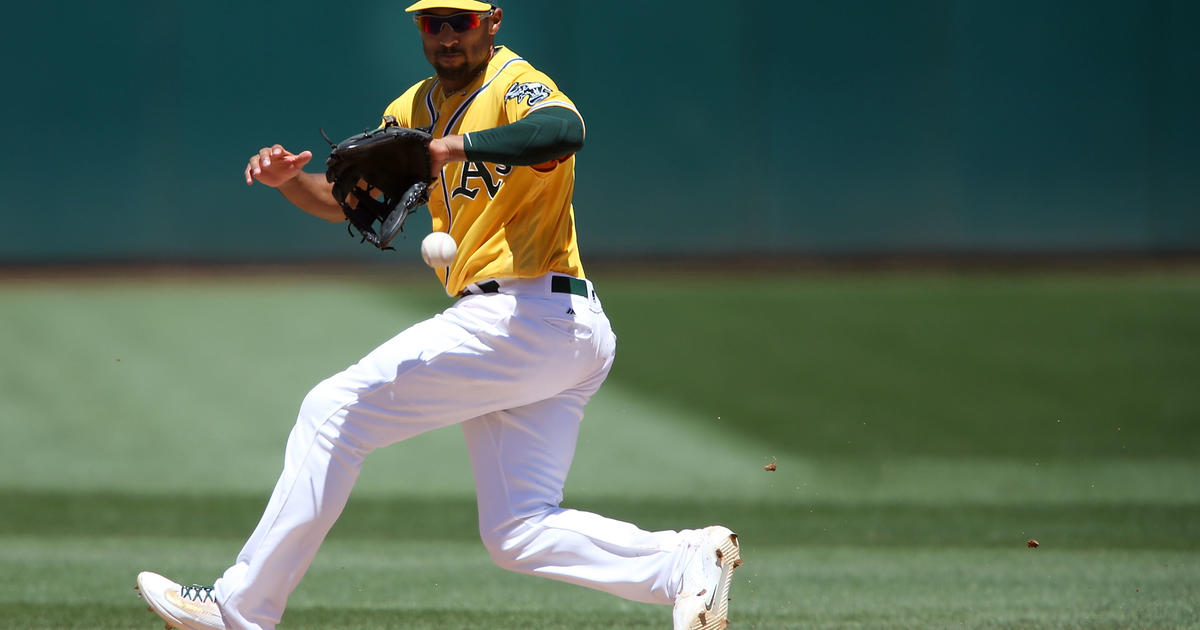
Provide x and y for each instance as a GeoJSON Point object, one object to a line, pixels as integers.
{"type": "Point", "coordinates": [531, 91]}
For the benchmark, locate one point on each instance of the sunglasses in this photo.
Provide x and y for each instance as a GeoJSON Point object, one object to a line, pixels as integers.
{"type": "Point", "coordinates": [459, 22]}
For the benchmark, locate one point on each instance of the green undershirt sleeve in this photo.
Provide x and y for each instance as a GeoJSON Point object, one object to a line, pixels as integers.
{"type": "Point", "coordinates": [543, 135]}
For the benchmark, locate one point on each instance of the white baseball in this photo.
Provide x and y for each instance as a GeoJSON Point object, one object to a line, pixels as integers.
{"type": "Point", "coordinates": [438, 249]}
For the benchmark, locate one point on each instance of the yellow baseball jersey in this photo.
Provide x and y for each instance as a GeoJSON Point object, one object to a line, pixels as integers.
{"type": "Point", "coordinates": [508, 221]}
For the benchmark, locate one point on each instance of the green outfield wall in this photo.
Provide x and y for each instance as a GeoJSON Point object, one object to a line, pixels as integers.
{"type": "Point", "coordinates": [809, 127]}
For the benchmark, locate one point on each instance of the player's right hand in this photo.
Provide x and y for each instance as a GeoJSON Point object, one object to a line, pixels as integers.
{"type": "Point", "coordinates": [275, 166]}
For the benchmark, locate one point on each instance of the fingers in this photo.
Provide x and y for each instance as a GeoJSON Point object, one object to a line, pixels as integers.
{"type": "Point", "coordinates": [266, 153]}
{"type": "Point", "coordinates": [300, 159]}
{"type": "Point", "coordinates": [253, 169]}
{"type": "Point", "coordinates": [257, 162]}
{"type": "Point", "coordinates": [274, 165]}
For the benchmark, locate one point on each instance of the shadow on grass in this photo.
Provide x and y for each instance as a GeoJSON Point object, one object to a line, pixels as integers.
{"type": "Point", "coordinates": [438, 619]}
{"type": "Point", "coordinates": [96, 617]}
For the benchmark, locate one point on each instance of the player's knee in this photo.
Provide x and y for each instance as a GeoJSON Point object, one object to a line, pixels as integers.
{"type": "Point", "coordinates": [508, 543]}
{"type": "Point", "coordinates": [503, 545]}
{"type": "Point", "coordinates": [321, 402]}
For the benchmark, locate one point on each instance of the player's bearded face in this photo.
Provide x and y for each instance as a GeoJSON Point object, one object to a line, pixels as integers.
{"type": "Point", "coordinates": [458, 57]}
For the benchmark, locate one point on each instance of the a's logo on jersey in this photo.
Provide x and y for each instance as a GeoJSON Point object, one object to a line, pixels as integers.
{"type": "Point", "coordinates": [533, 93]}
{"type": "Point", "coordinates": [480, 171]}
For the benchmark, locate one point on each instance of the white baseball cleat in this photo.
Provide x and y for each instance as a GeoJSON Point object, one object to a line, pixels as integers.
{"type": "Point", "coordinates": [183, 607]}
{"type": "Point", "coordinates": [703, 601]}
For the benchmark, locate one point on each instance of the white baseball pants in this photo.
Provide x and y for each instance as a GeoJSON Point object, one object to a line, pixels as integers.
{"type": "Point", "coordinates": [515, 369]}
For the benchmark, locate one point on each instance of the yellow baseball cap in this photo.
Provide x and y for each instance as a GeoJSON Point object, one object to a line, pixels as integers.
{"type": "Point", "coordinates": [461, 5]}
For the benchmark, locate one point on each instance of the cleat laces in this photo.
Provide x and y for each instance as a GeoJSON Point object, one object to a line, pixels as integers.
{"type": "Point", "coordinates": [197, 593]}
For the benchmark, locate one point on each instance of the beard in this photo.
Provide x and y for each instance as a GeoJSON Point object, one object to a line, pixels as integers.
{"type": "Point", "coordinates": [456, 73]}
{"type": "Point", "coordinates": [462, 67]}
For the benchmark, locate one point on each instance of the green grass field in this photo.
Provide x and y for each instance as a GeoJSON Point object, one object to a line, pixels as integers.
{"type": "Point", "coordinates": [924, 426]}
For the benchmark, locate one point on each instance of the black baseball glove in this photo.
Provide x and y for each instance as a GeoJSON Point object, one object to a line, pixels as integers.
{"type": "Point", "coordinates": [380, 176]}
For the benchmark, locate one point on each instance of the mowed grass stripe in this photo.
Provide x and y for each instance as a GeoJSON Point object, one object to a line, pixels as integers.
{"type": "Point", "coordinates": [103, 383]}
{"type": "Point", "coordinates": [372, 584]}
{"type": "Point", "coordinates": [1057, 525]}
{"type": "Point", "coordinates": [1011, 365]}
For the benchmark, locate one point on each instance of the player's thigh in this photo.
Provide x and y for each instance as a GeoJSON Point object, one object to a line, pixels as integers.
{"type": "Point", "coordinates": [458, 365]}
{"type": "Point", "coordinates": [480, 356]}
{"type": "Point", "coordinates": [412, 383]}
{"type": "Point", "coordinates": [485, 354]}
{"type": "Point", "coordinates": [521, 457]}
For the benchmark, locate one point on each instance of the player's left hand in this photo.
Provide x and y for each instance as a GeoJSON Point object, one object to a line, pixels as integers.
{"type": "Point", "coordinates": [380, 176]}
{"type": "Point", "coordinates": [444, 150]}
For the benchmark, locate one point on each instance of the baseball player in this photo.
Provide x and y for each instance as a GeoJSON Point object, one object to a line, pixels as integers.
{"type": "Point", "coordinates": [512, 362]}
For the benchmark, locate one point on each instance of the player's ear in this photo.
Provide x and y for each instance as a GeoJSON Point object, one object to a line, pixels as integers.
{"type": "Point", "coordinates": [497, 13]}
